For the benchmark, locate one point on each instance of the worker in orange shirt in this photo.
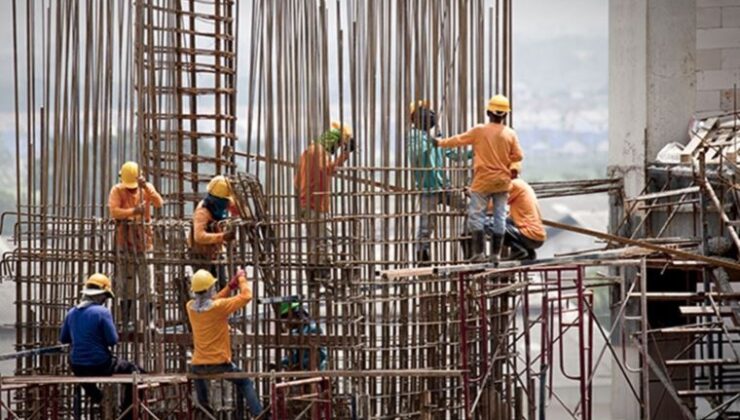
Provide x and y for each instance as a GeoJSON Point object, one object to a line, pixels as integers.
{"type": "Point", "coordinates": [313, 185]}
{"type": "Point", "coordinates": [496, 154]}
{"type": "Point", "coordinates": [209, 315]}
{"type": "Point", "coordinates": [208, 236]}
{"type": "Point", "coordinates": [524, 229]}
{"type": "Point", "coordinates": [129, 203]}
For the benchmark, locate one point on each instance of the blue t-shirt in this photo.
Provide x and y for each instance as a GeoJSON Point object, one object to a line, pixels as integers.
{"type": "Point", "coordinates": [429, 160]}
{"type": "Point", "coordinates": [91, 333]}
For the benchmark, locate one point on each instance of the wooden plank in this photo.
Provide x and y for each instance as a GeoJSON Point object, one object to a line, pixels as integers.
{"type": "Point", "coordinates": [700, 362]}
{"type": "Point", "coordinates": [663, 194]}
{"type": "Point", "coordinates": [696, 140]}
{"type": "Point", "coordinates": [703, 310]}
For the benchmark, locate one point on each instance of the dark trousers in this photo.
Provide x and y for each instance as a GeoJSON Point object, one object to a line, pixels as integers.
{"type": "Point", "coordinates": [109, 368]}
{"type": "Point", "coordinates": [514, 238]}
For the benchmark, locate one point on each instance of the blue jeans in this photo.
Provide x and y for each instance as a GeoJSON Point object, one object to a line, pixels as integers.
{"type": "Point", "coordinates": [429, 201]}
{"type": "Point", "coordinates": [244, 388]}
{"type": "Point", "coordinates": [478, 206]}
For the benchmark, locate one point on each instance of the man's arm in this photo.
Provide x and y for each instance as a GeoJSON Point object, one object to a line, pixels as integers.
{"type": "Point", "coordinates": [516, 156]}
{"type": "Point", "coordinates": [338, 162]}
{"type": "Point", "coordinates": [109, 329]}
{"type": "Point", "coordinates": [465, 139]}
{"type": "Point", "coordinates": [153, 196]}
{"type": "Point", "coordinates": [233, 304]}
{"type": "Point", "coordinates": [200, 222]}
{"type": "Point", "coordinates": [65, 337]}
{"type": "Point", "coordinates": [114, 206]}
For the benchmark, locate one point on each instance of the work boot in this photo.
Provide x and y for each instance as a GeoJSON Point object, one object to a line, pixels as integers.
{"type": "Point", "coordinates": [422, 257]}
{"type": "Point", "coordinates": [531, 255]}
{"type": "Point", "coordinates": [497, 242]}
{"type": "Point", "coordinates": [478, 246]}
{"type": "Point", "coordinates": [518, 253]}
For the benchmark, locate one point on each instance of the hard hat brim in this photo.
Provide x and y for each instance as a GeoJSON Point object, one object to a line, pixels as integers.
{"type": "Point", "coordinates": [97, 292]}
{"type": "Point", "coordinates": [130, 185]}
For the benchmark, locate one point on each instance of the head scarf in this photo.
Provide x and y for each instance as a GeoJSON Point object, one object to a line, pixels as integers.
{"type": "Point", "coordinates": [219, 207]}
{"type": "Point", "coordinates": [203, 302]}
{"type": "Point", "coordinates": [330, 139]}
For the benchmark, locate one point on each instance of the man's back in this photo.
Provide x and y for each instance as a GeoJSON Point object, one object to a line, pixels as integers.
{"type": "Point", "coordinates": [91, 332]}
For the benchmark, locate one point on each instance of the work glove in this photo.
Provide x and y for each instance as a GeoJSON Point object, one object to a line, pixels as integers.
{"type": "Point", "coordinates": [139, 209]}
{"type": "Point", "coordinates": [229, 235]}
{"type": "Point", "coordinates": [434, 141]}
{"type": "Point", "coordinates": [234, 282]}
{"type": "Point", "coordinates": [514, 174]}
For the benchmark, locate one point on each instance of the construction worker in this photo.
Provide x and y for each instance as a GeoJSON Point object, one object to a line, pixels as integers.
{"type": "Point", "coordinates": [496, 160]}
{"type": "Point", "coordinates": [208, 236]}
{"type": "Point", "coordinates": [429, 176]}
{"type": "Point", "coordinates": [295, 320]}
{"type": "Point", "coordinates": [313, 184]}
{"type": "Point", "coordinates": [524, 229]}
{"type": "Point", "coordinates": [209, 320]}
{"type": "Point", "coordinates": [88, 328]}
{"type": "Point", "coordinates": [129, 203]}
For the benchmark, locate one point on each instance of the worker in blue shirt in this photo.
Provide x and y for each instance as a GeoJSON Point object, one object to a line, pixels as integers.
{"type": "Point", "coordinates": [89, 329]}
{"type": "Point", "coordinates": [295, 319]}
{"type": "Point", "coordinates": [428, 166]}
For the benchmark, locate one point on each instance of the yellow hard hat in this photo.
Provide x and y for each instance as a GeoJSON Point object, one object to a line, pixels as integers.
{"type": "Point", "coordinates": [201, 281]}
{"type": "Point", "coordinates": [219, 187]}
{"type": "Point", "coordinates": [129, 173]}
{"type": "Point", "coordinates": [98, 284]}
{"type": "Point", "coordinates": [498, 103]}
{"type": "Point", "coordinates": [413, 106]}
{"type": "Point", "coordinates": [346, 129]}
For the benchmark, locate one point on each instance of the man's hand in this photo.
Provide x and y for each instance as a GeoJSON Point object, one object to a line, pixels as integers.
{"type": "Point", "coordinates": [434, 141]}
{"type": "Point", "coordinates": [234, 282]}
{"type": "Point", "coordinates": [139, 209]}
{"type": "Point", "coordinates": [514, 174]}
{"type": "Point", "coordinates": [230, 235]}
{"type": "Point", "coordinates": [141, 181]}
{"type": "Point", "coordinates": [349, 145]}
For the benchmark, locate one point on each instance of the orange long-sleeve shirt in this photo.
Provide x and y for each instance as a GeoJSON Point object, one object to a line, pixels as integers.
{"type": "Point", "coordinates": [313, 177]}
{"type": "Point", "coordinates": [207, 242]}
{"type": "Point", "coordinates": [525, 211]}
{"type": "Point", "coordinates": [211, 337]}
{"type": "Point", "coordinates": [121, 204]}
{"type": "Point", "coordinates": [496, 151]}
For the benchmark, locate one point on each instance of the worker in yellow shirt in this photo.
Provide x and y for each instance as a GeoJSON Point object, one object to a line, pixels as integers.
{"type": "Point", "coordinates": [130, 202]}
{"type": "Point", "coordinates": [313, 185]}
{"type": "Point", "coordinates": [209, 320]}
{"type": "Point", "coordinates": [496, 154]}
{"type": "Point", "coordinates": [524, 229]}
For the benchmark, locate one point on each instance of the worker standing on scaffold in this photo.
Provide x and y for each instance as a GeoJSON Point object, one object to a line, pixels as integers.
{"type": "Point", "coordinates": [129, 203]}
{"type": "Point", "coordinates": [495, 163]}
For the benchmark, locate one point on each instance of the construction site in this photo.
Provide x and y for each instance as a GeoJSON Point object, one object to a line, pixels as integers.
{"type": "Point", "coordinates": [101, 83]}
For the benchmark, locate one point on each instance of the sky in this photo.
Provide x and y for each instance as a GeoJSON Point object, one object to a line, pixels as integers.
{"type": "Point", "coordinates": [560, 65]}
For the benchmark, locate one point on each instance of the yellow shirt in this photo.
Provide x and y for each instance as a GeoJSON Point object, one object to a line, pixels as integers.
{"type": "Point", "coordinates": [211, 337]}
{"type": "Point", "coordinates": [496, 152]}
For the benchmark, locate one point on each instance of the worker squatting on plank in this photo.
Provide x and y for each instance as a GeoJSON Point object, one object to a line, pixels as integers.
{"type": "Point", "coordinates": [129, 203]}
{"type": "Point", "coordinates": [524, 229]}
{"type": "Point", "coordinates": [89, 329]}
{"type": "Point", "coordinates": [428, 164]}
{"type": "Point", "coordinates": [496, 161]}
{"type": "Point", "coordinates": [209, 313]}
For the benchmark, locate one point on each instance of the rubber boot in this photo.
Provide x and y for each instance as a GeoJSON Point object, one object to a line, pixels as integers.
{"type": "Point", "coordinates": [478, 246]}
{"type": "Point", "coordinates": [497, 243]}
